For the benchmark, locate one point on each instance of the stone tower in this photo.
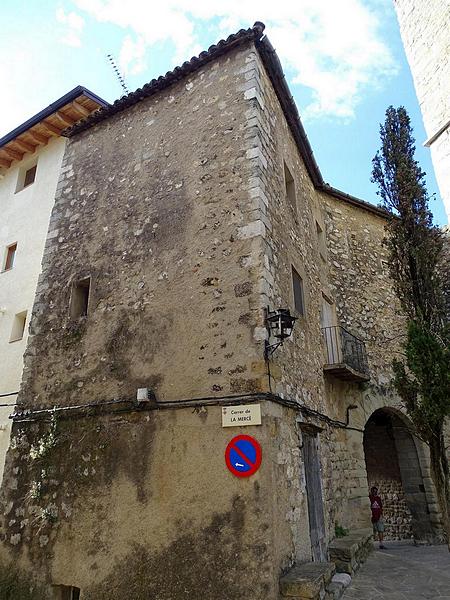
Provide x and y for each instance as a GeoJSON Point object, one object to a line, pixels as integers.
{"type": "Point", "coordinates": [424, 28]}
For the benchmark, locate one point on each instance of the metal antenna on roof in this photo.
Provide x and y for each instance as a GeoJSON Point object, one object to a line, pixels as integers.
{"type": "Point", "coordinates": [118, 75]}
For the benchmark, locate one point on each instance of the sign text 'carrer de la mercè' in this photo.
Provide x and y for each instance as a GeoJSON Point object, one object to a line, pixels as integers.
{"type": "Point", "coordinates": [245, 414]}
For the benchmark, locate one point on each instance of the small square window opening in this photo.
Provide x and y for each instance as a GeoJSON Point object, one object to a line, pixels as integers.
{"type": "Point", "coordinates": [27, 176]}
{"type": "Point", "coordinates": [290, 188]}
{"type": "Point", "coordinates": [299, 298]}
{"type": "Point", "coordinates": [67, 592]}
{"type": "Point", "coordinates": [30, 176]}
{"type": "Point", "coordinates": [79, 301]}
{"type": "Point", "coordinates": [321, 241]}
{"type": "Point", "coordinates": [10, 256]}
{"type": "Point", "coordinates": [18, 328]}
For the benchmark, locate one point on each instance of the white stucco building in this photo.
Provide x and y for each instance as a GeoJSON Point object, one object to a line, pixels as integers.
{"type": "Point", "coordinates": [424, 27]}
{"type": "Point", "coordinates": [30, 161]}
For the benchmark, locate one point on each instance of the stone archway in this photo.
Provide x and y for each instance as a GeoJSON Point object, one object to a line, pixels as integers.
{"type": "Point", "coordinates": [393, 465]}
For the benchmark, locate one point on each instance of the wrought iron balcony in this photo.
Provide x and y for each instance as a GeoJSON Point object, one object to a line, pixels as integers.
{"type": "Point", "coordinates": [345, 355]}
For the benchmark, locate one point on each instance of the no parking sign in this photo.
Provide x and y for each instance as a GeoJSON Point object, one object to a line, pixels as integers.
{"type": "Point", "coordinates": [243, 456]}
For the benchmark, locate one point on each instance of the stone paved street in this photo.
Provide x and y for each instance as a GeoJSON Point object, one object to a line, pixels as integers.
{"type": "Point", "coordinates": [403, 572]}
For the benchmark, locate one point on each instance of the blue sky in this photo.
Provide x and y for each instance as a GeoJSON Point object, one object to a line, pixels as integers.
{"type": "Point", "coordinates": [344, 62]}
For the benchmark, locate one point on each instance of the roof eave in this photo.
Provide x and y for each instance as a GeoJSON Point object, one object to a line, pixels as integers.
{"type": "Point", "coordinates": [50, 109]}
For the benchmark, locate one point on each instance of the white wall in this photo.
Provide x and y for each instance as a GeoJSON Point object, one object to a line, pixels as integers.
{"type": "Point", "coordinates": [24, 219]}
{"type": "Point", "coordinates": [424, 27]}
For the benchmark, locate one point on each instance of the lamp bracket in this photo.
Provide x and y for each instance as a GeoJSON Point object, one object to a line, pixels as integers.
{"type": "Point", "coordinates": [269, 349]}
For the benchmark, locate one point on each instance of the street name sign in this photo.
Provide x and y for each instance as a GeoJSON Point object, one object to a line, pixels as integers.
{"type": "Point", "coordinates": [239, 416]}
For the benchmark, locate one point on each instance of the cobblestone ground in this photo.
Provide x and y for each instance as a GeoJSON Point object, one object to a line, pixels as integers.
{"type": "Point", "coordinates": [403, 572]}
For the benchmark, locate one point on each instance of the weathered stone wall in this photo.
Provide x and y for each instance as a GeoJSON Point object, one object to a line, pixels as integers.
{"type": "Point", "coordinates": [349, 267]}
{"type": "Point", "coordinates": [162, 207]}
{"type": "Point", "coordinates": [424, 30]}
{"type": "Point", "coordinates": [359, 282]}
{"type": "Point", "coordinates": [353, 275]}
{"type": "Point", "coordinates": [154, 206]}
{"type": "Point", "coordinates": [142, 505]}
{"type": "Point", "coordinates": [176, 209]}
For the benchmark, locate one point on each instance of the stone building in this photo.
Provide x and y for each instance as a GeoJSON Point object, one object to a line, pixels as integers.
{"type": "Point", "coordinates": [186, 215]}
{"type": "Point", "coordinates": [424, 30]}
{"type": "Point", "coordinates": [30, 161]}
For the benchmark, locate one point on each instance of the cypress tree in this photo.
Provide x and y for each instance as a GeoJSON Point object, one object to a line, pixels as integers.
{"type": "Point", "coordinates": [422, 378]}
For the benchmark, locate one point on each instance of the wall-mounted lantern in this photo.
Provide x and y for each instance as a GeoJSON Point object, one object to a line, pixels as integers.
{"type": "Point", "coordinates": [280, 324]}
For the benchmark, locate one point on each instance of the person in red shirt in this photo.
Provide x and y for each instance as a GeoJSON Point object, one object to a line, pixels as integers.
{"type": "Point", "coordinates": [376, 506]}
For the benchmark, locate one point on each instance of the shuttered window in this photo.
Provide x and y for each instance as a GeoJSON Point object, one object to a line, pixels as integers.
{"type": "Point", "coordinates": [30, 176]}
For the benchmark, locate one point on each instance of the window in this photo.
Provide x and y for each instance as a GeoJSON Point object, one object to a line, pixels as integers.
{"type": "Point", "coordinates": [27, 176]}
{"type": "Point", "coordinates": [321, 241]}
{"type": "Point", "coordinates": [79, 300]}
{"type": "Point", "coordinates": [299, 299]}
{"type": "Point", "coordinates": [30, 176]}
{"type": "Point", "coordinates": [327, 313]}
{"type": "Point", "coordinates": [67, 592]}
{"type": "Point", "coordinates": [290, 188]}
{"type": "Point", "coordinates": [10, 256]}
{"type": "Point", "coordinates": [18, 328]}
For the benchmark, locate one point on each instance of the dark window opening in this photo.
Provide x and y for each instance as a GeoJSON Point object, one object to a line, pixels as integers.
{"type": "Point", "coordinates": [79, 301]}
{"type": "Point", "coordinates": [299, 299]}
{"type": "Point", "coordinates": [10, 256]}
{"type": "Point", "coordinates": [67, 592]}
{"type": "Point", "coordinates": [30, 176]}
{"type": "Point", "coordinates": [26, 176]}
{"type": "Point", "coordinates": [321, 241]}
{"type": "Point", "coordinates": [290, 188]}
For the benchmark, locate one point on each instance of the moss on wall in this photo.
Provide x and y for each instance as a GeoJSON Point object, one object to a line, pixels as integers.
{"type": "Point", "coordinates": [14, 585]}
{"type": "Point", "coordinates": [203, 563]}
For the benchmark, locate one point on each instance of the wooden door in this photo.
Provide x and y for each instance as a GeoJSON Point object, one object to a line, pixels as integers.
{"type": "Point", "coordinates": [330, 332]}
{"type": "Point", "coordinates": [314, 493]}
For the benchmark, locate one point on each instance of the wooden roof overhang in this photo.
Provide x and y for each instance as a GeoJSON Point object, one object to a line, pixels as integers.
{"type": "Point", "coordinates": [70, 109]}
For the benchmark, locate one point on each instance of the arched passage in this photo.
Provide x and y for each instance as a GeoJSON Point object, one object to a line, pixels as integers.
{"type": "Point", "coordinates": [393, 466]}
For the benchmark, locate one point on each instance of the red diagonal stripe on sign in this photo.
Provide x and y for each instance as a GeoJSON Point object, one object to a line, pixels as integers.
{"type": "Point", "coordinates": [242, 455]}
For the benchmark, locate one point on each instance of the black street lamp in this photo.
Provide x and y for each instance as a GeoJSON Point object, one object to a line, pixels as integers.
{"type": "Point", "coordinates": [280, 324]}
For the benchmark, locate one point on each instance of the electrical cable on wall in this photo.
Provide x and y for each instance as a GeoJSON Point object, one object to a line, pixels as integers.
{"type": "Point", "coordinates": [28, 415]}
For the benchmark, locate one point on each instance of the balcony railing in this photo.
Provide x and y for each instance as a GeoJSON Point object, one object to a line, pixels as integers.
{"type": "Point", "coordinates": [345, 355]}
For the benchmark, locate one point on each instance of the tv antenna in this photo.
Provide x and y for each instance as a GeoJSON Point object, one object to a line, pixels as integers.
{"type": "Point", "coordinates": [120, 79]}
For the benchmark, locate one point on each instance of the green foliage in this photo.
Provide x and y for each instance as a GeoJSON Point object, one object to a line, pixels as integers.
{"type": "Point", "coordinates": [340, 531]}
{"type": "Point", "coordinates": [423, 381]}
{"type": "Point", "coordinates": [16, 586]}
{"type": "Point", "coordinates": [414, 243]}
{"type": "Point", "coordinates": [415, 246]}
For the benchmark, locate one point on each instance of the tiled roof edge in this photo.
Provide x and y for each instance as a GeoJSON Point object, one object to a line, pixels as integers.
{"type": "Point", "coordinates": [377, 210]}
{"type": "Point", "coordinates": [164, 81]}
{"type": "Point", "coordinates": [274, 70]}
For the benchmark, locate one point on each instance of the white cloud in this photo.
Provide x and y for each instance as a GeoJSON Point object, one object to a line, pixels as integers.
{"type": "Point", "coordinates": [73, 27]}
{"type": "Point", "coordinates": [335, 49]}
{"type": "Point", "coordinates": [132, 56]}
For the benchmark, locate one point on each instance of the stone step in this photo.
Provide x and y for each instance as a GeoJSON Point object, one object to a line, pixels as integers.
{"type": "Point", "coordinates": [349, 552]}
{"type": "Point", "coordinates": [338, 585]}
{"type": "Point", "coordinates": [306, 581]}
